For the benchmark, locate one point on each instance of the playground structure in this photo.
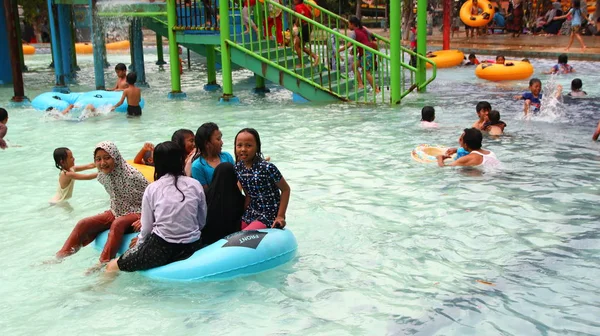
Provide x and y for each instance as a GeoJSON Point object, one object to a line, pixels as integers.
{"type": "Point", "coordinates": [217, 32]}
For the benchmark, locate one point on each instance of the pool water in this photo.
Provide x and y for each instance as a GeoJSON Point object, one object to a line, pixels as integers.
{"type": "Point", "coordinates": [387, 246]}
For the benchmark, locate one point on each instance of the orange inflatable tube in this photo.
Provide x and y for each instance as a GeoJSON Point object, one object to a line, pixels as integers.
{"type": "Point", "coordinates": [87, 48]}
{"type": "Point", "coordinates": [478, 20]}
{"type": "Point", "coordinates": [28, 49]}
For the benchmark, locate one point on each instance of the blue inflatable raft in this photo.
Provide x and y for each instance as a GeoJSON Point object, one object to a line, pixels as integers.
{"type": "Point", "coordinates": [98, 99]}
{"type": "Point", "coordinates": [239, 254]}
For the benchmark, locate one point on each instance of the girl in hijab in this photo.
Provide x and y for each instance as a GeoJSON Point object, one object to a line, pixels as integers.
{"type": "Point", "coordinates": [173, 213]}
{"type": "Point", "coordinates": [225, 205]}
{"type": "Point", "coordinates": [125, 186]}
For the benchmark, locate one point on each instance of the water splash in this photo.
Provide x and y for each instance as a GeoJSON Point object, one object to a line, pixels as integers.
{"type": "Point", "coordinates": [77, 114]}
{"type": "Point", "coordinates": [552, 108]}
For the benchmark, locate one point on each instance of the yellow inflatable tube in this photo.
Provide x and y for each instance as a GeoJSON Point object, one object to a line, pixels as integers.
{"type": "Point", "coordinates": [499, 72]}
{"type": "Point", "coordinates": [446, 58]}
{"type": "Point", "coordinates": [478, 20]}
{"type": "Point", "coordinates": [147, 171]}
{"type": "Point", "coordinates": [28, 49]}
{"type": "Point", "coordinates": [87, 48]}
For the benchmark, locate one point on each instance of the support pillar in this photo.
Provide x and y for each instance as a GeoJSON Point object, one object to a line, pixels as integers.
{"type": "Point", "coordinates": [97, 41]}
{"type": "Point", "coordinates": [65, 20]}
{"type": "Point", "coordinates": [228, 96]}
{"type": "Point", "coordinates": [447, 11]}
{"type": "Point", "coordinates": [260, 87]}
{"type": "Point", "coordinates": [173, 51]}
{"type": "Point", "coordinates": [5, 67]}
{"type": "Point", "coordinates": [211, 69]}
{"type": "Point", "coordinates": [138, 47]}
{"type": "Point", "coordinates": [60, 84]}
{"type": "Point", "coordinates": [421, 42]}
{"type": "Point", "coordinates": [159, 50]}
{"type": "Point", "coordinates": [14, 44]}
{"type": "Point", "coordinates": [15, 8]}
{"type": "Point", "coordinates": [395, 51]}
{"type": "Point", "coordinates": [73, 40]}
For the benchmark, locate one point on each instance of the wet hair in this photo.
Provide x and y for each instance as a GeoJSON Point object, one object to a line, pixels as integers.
{"type": "Point", "coordinates": [534, 80]}
{"type": "Point", "coordinates": [259, 155]}
{"type": "Point", "coordinates": [499, 57]}
{"type": "Point", "coordinates": [202, 138]}
{"type": "Point", "coordinates": [472, 56]}
{"type": "Point", "coordinates": [472, 138]}
{"type": "Point", "coordinates": [121, 67]}
{"type": "Point", "coordinates": [483, 105]}
{"type": "Point", "coordinates": [60, 155]}
{"type": "Point", "coordinates": [168, 159]}
{"type": "Point", "coordinates": [131, 78]}
{"type": "Point", "coordinates": [179, 138]}
{"type": "Point", "coordinates": [355, 22]}
{"type": "Point", "coordinates": [563, 59]}
{"type": "Point", "coordinates": [428, 113]}
{"type": "Point", "coordinates": [494, 116]}
{"type": "Point", "coordinates": [3, 114]}
{"type": "Point", "coordinates": [576, 84]}
{"type": "Point", "coordinates": [525, 60]}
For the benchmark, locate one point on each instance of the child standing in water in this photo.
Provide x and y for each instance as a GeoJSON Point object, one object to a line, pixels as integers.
{"type": "Point", "coordinates": [133, 94]}
{"type": "Point", "coordinates": [121, 71]}
{"type": "Point", "coordinates": [534, 97]}
{"type": "Point", "coordinates": [267, 192]}
{"type": "Point", "coordinates": [3, 128]}
{"type": "Point", "coordinates": [427, 117]}
{"type": "Point", "coordinates": [65, 162]}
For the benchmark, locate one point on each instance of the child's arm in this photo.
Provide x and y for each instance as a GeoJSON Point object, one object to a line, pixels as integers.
{"type": "Point", "coordinates": [597, 133]}
{"type": "Point", "coordinates": [279, 221]}
{"type": "Point", "coordinates": [139, 157]}
{"type": "Point", "coordinates": [467, 160]}
{"type": "Point", "coordinates": [76, 176]}
{"type": "Point", "coordinates": [68, 109]}
{"type": "Point", "coordinates": [85, 167]}
{"type": "Point", "coordinates": [123, 96]}
{"type": "Point", "coordinates": [526, 106]}
{"type": "Point", "coordinates": [559, 90]}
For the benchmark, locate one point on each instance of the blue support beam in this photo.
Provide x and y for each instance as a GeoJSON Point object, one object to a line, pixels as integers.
{"type": "Point", "coordinates": [98, 44]}
{"type": "Point", "coordinates": [60, 84]}
{"type": "Point", "coordinates": [65, 20]}
{"type": "Point", "coordinates": [138, 51]}
{"type": "Point", "coordinates": [5, 67]}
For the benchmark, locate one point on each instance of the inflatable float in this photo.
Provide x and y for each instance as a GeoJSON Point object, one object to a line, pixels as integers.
{"type": "Point", "coordinates": [446, 58]}
{"type": "Point", "coordinates": [478, 20]}
{"type": "Point", "coordinates": [499, 72]}
{"type": "Point", "coordinates": [97, 98]}
{"type": "Point", "coordinates": [87, 48]}
{"type": "Point", "coordinates": [28, 49]}
{"type": "Point", "coordinates": [147, 171]}
{"type": "Point", "coordinates": [239, 254]}
{"type": "Point", "coordinates": [428, 154]}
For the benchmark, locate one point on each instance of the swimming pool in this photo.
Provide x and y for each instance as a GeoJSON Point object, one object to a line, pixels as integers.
{"type": "Point", "coordinates": [386, 245]}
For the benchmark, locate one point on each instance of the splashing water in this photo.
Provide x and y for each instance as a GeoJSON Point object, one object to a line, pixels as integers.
{"type": "Point", "coordinates": [552, 108]}
{"type": "Point", "coordinates": [77, 114]}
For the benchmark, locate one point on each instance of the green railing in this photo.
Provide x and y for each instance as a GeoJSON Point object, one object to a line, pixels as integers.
{"type": "Point", "coordinates": [342, 74]}
{"type": "Point", "coordinates": [329, 18]}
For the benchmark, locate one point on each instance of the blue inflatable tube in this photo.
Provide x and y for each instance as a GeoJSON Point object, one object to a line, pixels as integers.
{"type": "Point", "coordinates": [98, 99]}
{"type": "Point", "coordinates": [239, 254]}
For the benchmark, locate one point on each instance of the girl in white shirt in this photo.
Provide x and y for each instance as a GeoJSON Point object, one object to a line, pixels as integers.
{"type": "Point", "coordinates": [173, 214]}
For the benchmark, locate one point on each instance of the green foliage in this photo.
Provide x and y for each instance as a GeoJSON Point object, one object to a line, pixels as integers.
{"type": "Point", "coordinates": [34, 10]}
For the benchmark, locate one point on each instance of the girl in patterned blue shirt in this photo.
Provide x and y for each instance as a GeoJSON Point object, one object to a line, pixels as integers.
{"type": "Point", "coordinates": [267, 192]}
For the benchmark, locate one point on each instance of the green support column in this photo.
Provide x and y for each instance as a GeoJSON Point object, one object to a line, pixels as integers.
{"type": "Point", "coordinates": [395, 51]}
{"type": "Point", "coordinates": [211, 69]}
{"type": "Point", "coordinates": [421, 75]}
{"type": "Point", "coordinates": [228, 96]}
{"type": "Point", "coordinates": [159, 50]}
{"type": "Point", "coordinates": [260, 85]}
{"type": "Point", "coordinates": [173, 52]}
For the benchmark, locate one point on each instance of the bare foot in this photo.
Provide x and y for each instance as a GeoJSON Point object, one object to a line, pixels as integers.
{"type": "Point", "coordinates": [583, 48]}
{"type": "Point", "coordinates": [566, 49]}
{"type": "Point", "coordinates": [316, 60]}
{"type": "Point", "coordinates": [245, 32]}
{"type": "Point", "coordinates": [377, 90]}
{"type": "Point", "coordinates": [361, 87]}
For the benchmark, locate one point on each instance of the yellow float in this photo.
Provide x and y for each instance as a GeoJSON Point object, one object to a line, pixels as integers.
{"type": "Point", "coordinates": [446, 58]}
{"type": "Point", "coordinates": [478, 20]}
{"type": "Point", "coordinates": [591, 9]}
{"type": "Point", "coordinates": [87, 48]}
{"type": "Point", "coordinates": [500, 72]}
{"type": "Point", "coordinates": [28, 49]}
{"type": "Point", "coordinates": [428, 154]}
{"type": "Point", "coordinates": [147, 171]}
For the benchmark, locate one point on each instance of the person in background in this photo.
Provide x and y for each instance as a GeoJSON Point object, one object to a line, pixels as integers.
{"type": "Point", "coordinates": [428, 117]}
{"type": "Point", "coordinates": [121, 71]}
{"type": "Point", "coordinates": [515, 24]}
{"type": "Point", "coordinates": [133, 94]}
{"type": "Point", "coordinates": [576, 91]}
{"type": "Point", "coordinates": [3, 128]}
{"type": "Point", "coordinates": [482, 108]}
{"type": "Point", "coordinates": [145, 156]}
{"type": "Point", "coordinates": [562, 67]}
{"type": "Point", "coordinates": [472, 60]}
{"type": "Point", "coordinates": [494, 126]}
{"type": "Point", "coordinates": [576, 22]}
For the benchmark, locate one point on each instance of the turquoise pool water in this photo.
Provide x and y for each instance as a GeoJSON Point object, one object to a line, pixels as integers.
{"type": "Point", "coordinates": [387, 246]}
